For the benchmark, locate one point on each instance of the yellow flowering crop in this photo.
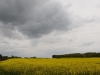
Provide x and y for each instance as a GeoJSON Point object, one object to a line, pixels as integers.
{"type": "Point", "coordinates": [68, 66]}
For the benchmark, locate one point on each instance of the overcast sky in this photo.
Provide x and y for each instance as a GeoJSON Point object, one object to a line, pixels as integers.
{"type": "Point", "coordinates": [42, 28]}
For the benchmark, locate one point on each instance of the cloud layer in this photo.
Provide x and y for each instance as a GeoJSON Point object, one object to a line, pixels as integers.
{"type": "Point", "coordinates": [32, 18]}
{"type": "Point", "coordinates": [45, 27]}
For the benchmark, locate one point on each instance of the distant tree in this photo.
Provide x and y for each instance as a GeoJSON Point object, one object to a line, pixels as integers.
{"type": "Point", "coordinates": [0, 56]}
{"type": "Point", "coordinates": [4, 56]}
{"type": "Point", "coordinates": [77, 55]}
{"type": "Point", "coordinates": [12, 56]}
{"type": "Point", "coordinates": [33, 57]}
{"type": "Point", "coordinates": [54, 56]}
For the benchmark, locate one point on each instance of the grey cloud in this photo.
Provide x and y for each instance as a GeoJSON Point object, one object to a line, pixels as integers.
{"type": "Point", "coordinates": [33, 18]}
{"type": "Point", "coordinates": [87, 44]}
{"type": "Point", "coordinates": [17, 11]}
{"type": "Point", "coordinates": [71, 40]}
{"type": "Point", "coordinates": [7, 52]}
{"type": "Point", "coordinates": [10, 31]}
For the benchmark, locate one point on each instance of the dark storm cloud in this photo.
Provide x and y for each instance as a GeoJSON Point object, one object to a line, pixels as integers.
{"type": "Point", "coordinates": [33, 18]}
{"type": "Point", "coordinates": [17, 11]}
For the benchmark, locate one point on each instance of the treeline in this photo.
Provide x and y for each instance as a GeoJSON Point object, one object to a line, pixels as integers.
{"type": "Point", "coordinates": [2, 58]}
{"type": "Point", "coordinates": [72, 55]}
{"type": "Point", "coordinates": [78, 55]}
{"type": "Point", "coordinates": [6, 57]}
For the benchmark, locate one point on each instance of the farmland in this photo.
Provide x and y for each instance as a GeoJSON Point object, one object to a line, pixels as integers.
{"type": "Point", "coordinates": [60, 66]}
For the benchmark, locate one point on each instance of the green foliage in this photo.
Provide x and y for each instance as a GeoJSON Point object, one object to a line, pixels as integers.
{"type": "Point", "coordinates": [33, 57]}
{"type": "Point", "coordinates": [77, 55]}
{"type": "Point", "coordinates": [0, 56]}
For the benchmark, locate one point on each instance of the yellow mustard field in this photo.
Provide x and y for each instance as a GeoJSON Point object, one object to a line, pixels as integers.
{"type": "Point", "coordinates": [68, 66]}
